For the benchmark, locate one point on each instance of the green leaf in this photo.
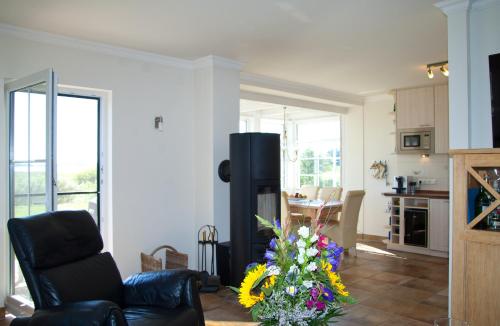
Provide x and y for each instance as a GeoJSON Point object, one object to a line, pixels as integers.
{"type": "Point", "coordinates": [264, 222]}
{"type": "Point", "coordinates": [234, 289]}
{"type": "Point", "coordinates": [259, 280]}
{"type": "Point", "coordinates": [267, 292]}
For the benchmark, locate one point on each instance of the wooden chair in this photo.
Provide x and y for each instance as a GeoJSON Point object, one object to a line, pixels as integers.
{"type": "Point", "coordinates": [289, 221]}
{"type": "Point", "coordinates": [344, 231]}
{"type": "Point", "coordinates": [311, 192]}
{"type": "Point", "coordinates": [330, 193]}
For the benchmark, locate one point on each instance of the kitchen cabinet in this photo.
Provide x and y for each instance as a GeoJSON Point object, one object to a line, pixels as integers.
{"type": "Point", "coordinates": [441, 145]}
{"type": "Point", "coordinates": [438, 224]}
{"type": "Point", "coordinates": [415, 107]}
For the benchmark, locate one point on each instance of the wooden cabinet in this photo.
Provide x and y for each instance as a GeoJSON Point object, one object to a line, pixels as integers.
{"type": "Point", "coordinates": [476, 250]}
{"type": "Point", "coordinates": [415, 107]}
{"type": "Point", "coordinates": [438, 224]}
{"type": "Point", "coordinates": [441, 145]}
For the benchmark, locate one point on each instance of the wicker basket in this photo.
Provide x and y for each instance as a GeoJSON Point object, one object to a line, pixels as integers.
{"type": "Point", "coordinates": [173, 260]}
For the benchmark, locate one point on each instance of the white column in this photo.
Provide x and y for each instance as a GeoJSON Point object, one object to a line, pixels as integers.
{"type": "Point", "coordinates": [458, 62]}
{"type": "Point", "coordinates": [217, 98]}
{"type": "Point", "coordinates": [458, 93]}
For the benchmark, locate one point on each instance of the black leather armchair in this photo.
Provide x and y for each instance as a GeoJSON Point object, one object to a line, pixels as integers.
{"type": "Point", "coordinates": [73, 283]}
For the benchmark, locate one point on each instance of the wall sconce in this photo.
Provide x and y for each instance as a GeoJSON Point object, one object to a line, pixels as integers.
{"type": "Point", "coordinates": [159, 123]}
{"type": "Point", "coordinates": [443, 67]}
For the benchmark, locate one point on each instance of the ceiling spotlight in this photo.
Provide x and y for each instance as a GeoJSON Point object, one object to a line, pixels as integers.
{"type": "Point", "coordinates": [444, 71]}
{"type": "Point", "coordinates": [443, 66]}
{"type": "Point", "coordinates": [430, 74]}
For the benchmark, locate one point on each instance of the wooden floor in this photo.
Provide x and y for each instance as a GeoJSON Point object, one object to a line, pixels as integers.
{"type": "Point", "coordinates": [392, 288]}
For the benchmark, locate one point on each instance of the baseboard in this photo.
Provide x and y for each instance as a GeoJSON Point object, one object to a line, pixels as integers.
{"type": "Point", "coordinates": [2, 313]}
{"type": "Point", "coordinates": [370, 237]}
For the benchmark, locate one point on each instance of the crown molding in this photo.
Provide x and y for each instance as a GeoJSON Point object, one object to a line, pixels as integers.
{"type": "Point", "coordinates": [452, 6]}
{"type": "Point", "coordinates": [216, 61]}
{"type": "Point", "coordinates": [300, 89]}
{"type": "Point", "coordinates": [103, 48]}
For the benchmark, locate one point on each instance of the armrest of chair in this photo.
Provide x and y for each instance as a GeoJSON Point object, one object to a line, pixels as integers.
{"type": "Point", "coordinates": [97, 312]}
{"type": "Point", "coordinates": [166, 288]}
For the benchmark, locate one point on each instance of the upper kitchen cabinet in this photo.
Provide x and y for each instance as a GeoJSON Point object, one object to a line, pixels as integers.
{"type": "Point", "coordinates": [441, 145]}
{"type": "Point", "coordinates": [415, 107]}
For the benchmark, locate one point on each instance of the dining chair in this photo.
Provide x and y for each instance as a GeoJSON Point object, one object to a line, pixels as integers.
{"type": "Point", "coordinates": [344, 231]}
{"type": "Point", "coordinates": [329, 193]}
{"type": "Point", "coordinates": [311, 192]}
{"type": "Point", "coordinates": [288, 219]}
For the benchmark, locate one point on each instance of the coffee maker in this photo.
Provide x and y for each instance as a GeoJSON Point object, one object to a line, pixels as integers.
{"type": "Point", "coordinates": [399, 184]}
{"type": "Point", "coordinates": [405, 184]}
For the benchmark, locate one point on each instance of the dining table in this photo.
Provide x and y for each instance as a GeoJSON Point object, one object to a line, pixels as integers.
{"type": "Point", "coordinates": [310, 208]}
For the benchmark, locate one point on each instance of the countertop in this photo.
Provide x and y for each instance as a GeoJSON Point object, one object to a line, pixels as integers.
{"type": "Point", "coordinates": [434, 194]}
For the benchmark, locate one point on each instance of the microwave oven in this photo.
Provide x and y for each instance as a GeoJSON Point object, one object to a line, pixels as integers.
{"type": "Point", "coordinates": [415, 141]}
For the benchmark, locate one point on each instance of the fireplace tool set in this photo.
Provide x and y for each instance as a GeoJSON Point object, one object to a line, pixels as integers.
{"type": "Point", "coordinates": [208, 237]}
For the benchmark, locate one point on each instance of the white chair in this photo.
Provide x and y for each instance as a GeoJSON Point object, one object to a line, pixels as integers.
{"type": "Point", "coordinates": [344, 231]}
{"type": "Point", "coordinates": [288, 219]}
{"type": "Point", "coordinates": [330, 193]}
{"type": "Point", "coordinates": [311, 192]}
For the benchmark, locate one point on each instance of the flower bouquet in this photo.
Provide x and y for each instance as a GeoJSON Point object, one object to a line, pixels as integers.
{"type": "Point", "coordinates": [299, 284]}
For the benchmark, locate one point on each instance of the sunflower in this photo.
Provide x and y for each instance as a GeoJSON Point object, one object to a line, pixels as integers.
{"type": "Point", "coordinates": [334, 278]}
{"type": "Point", "coordinates": [246, 297]}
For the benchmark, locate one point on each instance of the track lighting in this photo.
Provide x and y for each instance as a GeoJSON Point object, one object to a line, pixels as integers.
{"type": "Point", "coordinates": [430, 74]}
{"type": "Point", "coordinates": [443, 66]}
{"type": "Point", "coordinates": [445, 71]}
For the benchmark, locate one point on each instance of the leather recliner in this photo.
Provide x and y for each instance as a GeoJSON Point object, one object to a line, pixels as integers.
{"type": "Point", "coordinates": [72, 282]}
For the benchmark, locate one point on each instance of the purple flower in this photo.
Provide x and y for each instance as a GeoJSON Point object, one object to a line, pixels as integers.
{"type": "Point", "coordinates": [309, 304]}
{"type": "Point", "coordinates": [314, 293]}
{"type": "Point", "coordinates": [291, 238]}
{"type": "Point", "coordinates": [327, 294]}
{"type": "Point", "coordinates": [320, 305]}
{"type": "Point", "coordinates": [277, 224]}
{"type": "Point", "coordinates": [270, 255]}
{"type": "Point", "coordinates": [273, 244]}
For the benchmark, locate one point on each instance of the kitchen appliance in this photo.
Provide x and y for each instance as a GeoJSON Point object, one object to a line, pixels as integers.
{"type": "Point", "coordinates": [399, 184]}
{"type": "Point", "coordinates": [415, 141]}
{"type": "Point", "coordinates": [416, 221]}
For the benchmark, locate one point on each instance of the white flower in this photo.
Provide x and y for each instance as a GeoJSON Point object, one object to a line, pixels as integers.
{"type": "Point", "coordinates": [312, 267]}
{"type": "Point", "coordinates": [301, 244]}
{"type": "Point", "coordinates": [314, 238]}
{"type": "Point", "coordinates": [300, 259]}
{"type": "Point", "coordinates": [293, 269]}
{"type": "Point", "coordinates": [302, 251]}
{"type": "Point", "coordinates": [291, 290]}
{"type": "Point", "coordinates": [307, 284]}
{"type": "Point", "coordinates": [311, 252]}
{"type": "Point", "coordinates": [273, 270]}
{"type": "Point", "coordinates": [303, 231]}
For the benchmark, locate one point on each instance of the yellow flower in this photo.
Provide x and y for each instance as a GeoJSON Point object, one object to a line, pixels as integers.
{"type": "Point", "coordinates": [334, 278]}
{"type": "Point", "coordinates": [246, 297]}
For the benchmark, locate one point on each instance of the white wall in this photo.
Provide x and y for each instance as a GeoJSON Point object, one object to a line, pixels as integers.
{"type": "Point", "coordinates": [152, 172]}
{"type": "Point", "coordinates": [484, 40]}
{"type": "Point", "coordinates": [352, 154]}
{"type": "Point", "coordinates": [379, 144]}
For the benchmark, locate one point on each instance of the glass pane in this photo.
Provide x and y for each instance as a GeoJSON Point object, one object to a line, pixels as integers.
{"type": "Point", "coordinates": [306, 180]}
{"type": "Point", "coordinates": [77, 202]}
{"type": "Point", "coordinates": [306, 166]}
{"type": "Point", "coordinates": [482, 198]}
{"type": "Point", "coordinates": [28, 108]}
{"type": "Point", "coordinates": [325, 166]}
{"type": "Point", "coordinates": [77, 143]}
{"type": "Point", "coordinates": [20, 287]}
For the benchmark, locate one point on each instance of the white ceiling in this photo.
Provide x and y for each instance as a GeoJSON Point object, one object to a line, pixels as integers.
{"type": "Point", "coordinates": [357, 46]}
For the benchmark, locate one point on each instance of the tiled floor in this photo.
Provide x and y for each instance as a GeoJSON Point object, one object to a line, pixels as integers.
{"type": "Point", "coordinates": [392, 288]}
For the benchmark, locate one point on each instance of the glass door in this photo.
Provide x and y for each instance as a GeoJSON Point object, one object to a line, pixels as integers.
{"type": "Point", "coordinates": [31, 105]}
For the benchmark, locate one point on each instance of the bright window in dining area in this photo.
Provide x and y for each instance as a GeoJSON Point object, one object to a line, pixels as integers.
{"type": "Point", "coordinates": [319, 161]}
{"type": "Point", "coordinates": [313, 145]}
